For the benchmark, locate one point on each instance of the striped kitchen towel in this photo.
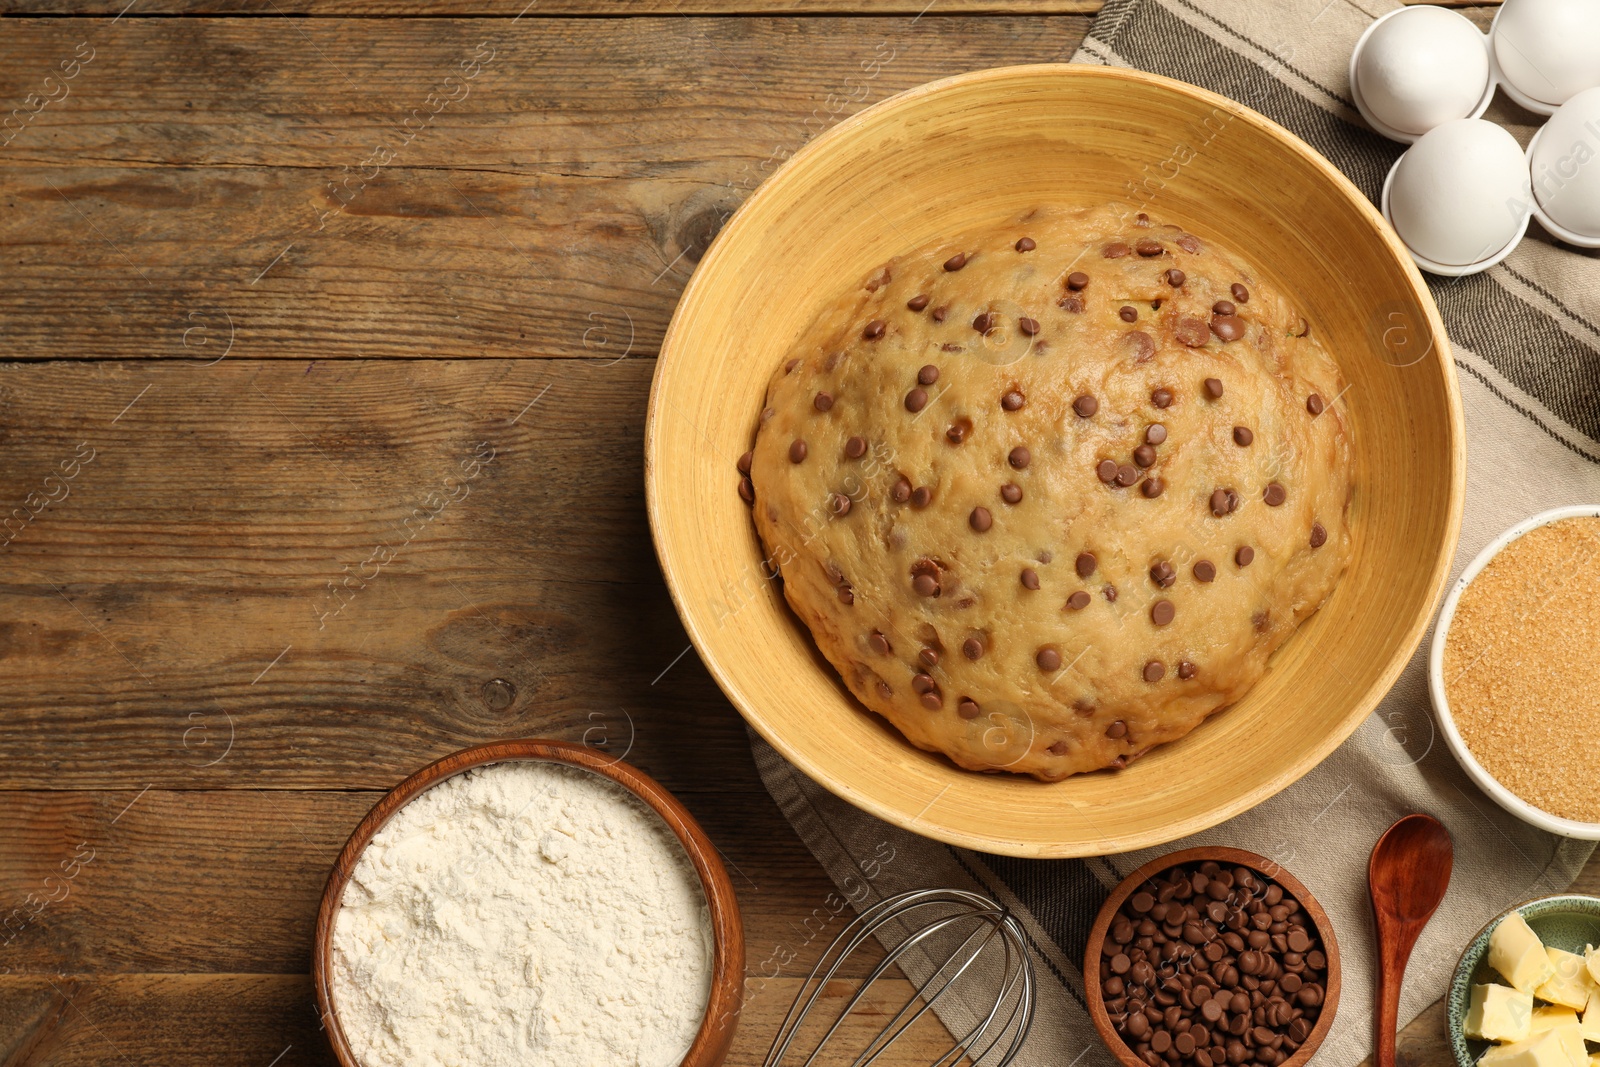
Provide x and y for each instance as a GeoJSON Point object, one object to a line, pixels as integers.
{"type": "Point", "coordinates": [1527, 349]}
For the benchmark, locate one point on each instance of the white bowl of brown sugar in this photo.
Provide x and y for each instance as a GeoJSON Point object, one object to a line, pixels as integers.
{"type": "Point", "coordinates": [1511, 670]}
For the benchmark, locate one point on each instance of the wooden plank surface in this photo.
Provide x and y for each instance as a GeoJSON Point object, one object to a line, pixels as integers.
{"type": "Point", "coordinates": [262, 383]}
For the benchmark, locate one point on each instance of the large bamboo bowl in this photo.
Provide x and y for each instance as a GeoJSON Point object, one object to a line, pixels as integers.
{"type": "Point", "coordinates": [963, 152]}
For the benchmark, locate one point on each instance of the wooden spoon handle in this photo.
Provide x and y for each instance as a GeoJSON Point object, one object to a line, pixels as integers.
{"type": "Point", "coordinates": [1395, 942]}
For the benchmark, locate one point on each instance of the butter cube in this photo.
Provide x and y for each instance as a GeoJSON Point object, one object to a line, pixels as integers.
{"type": "Point", "coordinates": [1545, 1050]}
{"type": "Point", "coordinates": [1500, 1013]}
{"type": "Point", "coordinates": [1570, 985]}
{"type": "Point", "coordinates": [1591, 1018]}
{"type": "Point", "coordinates": [1572, 1040]}
{"type": "Point", "coordinates": [1550, 1016]}
{"type": "Point", "coordinates": [1518, 954]}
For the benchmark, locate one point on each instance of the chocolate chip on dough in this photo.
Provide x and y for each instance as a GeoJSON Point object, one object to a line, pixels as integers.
{"type": "Point", "coordinates": [1152, 487]}
{"type": "Point", "coordinates": [916, 400]}
{"type": "Point", "coordinates": [984, 321]}
{"type": "Point", "coordinates": [747, 489]}
{"type": "Point", "coordinates": [972, 648]}
{"type": "Point", "coordinates": [1077, 281]}
{"type": "Point", "coordinates": [1144, 456]}
{"type": "Point", "coordinates": [1240, 293]}
{"type": "Point", "coordinates": [1154, 671]}
{"type": "Point", "coordinates": [1085, 406]}
{"type": "Point", "coordinates": [1030, 578]}
{"type": "Point", "coordinates": [879, 643]}
{"type": "Point", "coordinates": [900, 491]}
{"type": "Point", "coordinates": [1116, 250]}
{"type": "Point", "coordinates": [928, 374]}
{"type": "Point", "coordinates": [1011, 493]}
{"type": "Point", "coordinates": [1244, 555]}
{"type": "Point", "coordinates": [1161, 397]}
{"type": "Point", "coordinates": [1176, 277]}
{"type": "Point", "coordinates": [1204, 570]}
{"type": "Point", "coordinates": [797, 451]}
{"type": "Point", "coordinates": [1163, 574]}
{"type": "Point", "coordinates": [1242, 436]}
{"type": "Point", "coordinates": [918, 302]}
{"type": "Point", "coordinates": [1118, 729]}
{"type": "Point", "coordinates": [1025, 244]}
{"type": "Point", "coordinates": [1078, 600]}
{"type": "Point", "coordinates": [1106, 470]}
{"type": "Point", "coordinates": [1186, 670]}
{"type": "Point", "coordinates": [1048, 659]}
{"type": "Point", "coordinates": [1274, 494]}
{"type": "Point", "coordinates": [1162, 612]}
{"type": "Point", "coordinates": [1314, 405]}
{"type": "Point", "coordinates": [1128, 313]}
{"type": "Point", "coordinates": [855, 447]}
{"type": "Point", "coordinates": [956, 262]}
{"type": "Point", "coordinates": [1223, 502]}
{"type": "Point", "coordinates": [874, 329]}
{"type": "Point", "coordinates": [1085, 564]}
{"type": "Point", "coordinates": [1148, 248]}
{"type": "Point", "coordinates": [1223, 307]}
{"type": "Point", "coordinates": [1028, 326]}
{"type": "Point", "coordinates": [921, 496]}
{"type": "Point", "coordinates": [1127, 475]}
{"type": "Point", "coordinates": [980, 520]}
{"type": "Point", "coordinates": [1227, 327]}
{"type": "Point", "coordinates": [745, 461]}
{"type": "Point", "coordinates": [1213, 388]}
{"type": "Point", "coordinates": [1155, 434]}
{"type": "Point", "coordinates": [1019, 458]}
{"type": "Point", "coordinates": [839, 504]}
{"type": "Point", "coordinates": [1319, 536]}
{"type": "Point", "coordinates": [968, 708]}
{"type": "Point", "coordinates": [823, 401]}
{"type": "Point", "coordinates": [925, 585]}
{"type": "Point", "coordinates": [1013, 400]}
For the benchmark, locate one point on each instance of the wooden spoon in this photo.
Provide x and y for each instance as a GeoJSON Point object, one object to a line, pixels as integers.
{"type": "Point", "coordinates": [1407, 877]}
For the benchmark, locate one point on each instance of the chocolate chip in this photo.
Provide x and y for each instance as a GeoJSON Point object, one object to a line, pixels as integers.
{"type": "Point", "coordinates": [1204, 570]}
{"type": "Point", "coordinates": [1085, 564]}
{"type": "Point", "coordinates": [1148, 248]}
{"type": "Point", "coordinates": [1106, 471]}
{"type": "Point", "coordinates": [1140, 346]}
{"type": "Point", "coordinates": [940, 312]}
{"type": "Point", "coordinates": [1077, 281]}
{"type": "Point", "coordinates": [918, 302]}
{"type": "Point", "coordinates": [1240, 293]}
{"type": "Point", "coordinates": [1163, 574]}
{"type": "Point", "coordinates": [823, 401]}
{"type": "Point", "coordinates": [900, 491]}
{"type": "Point", "coordinates": [1319, 536]}
{"type": "Point", "coordinates": [916, 400]}
{"type": "Point", "coordinates": [980, 520]}
{"type": "Point", "coordinates": [1070, 304]}
{"type": "Point", "coordinates": [1227, 327]}
{"type": "Point", "coordinates": [1189, 243]}
{"type": "Point", "coordinates": [1057, 748]}
{"type": "Point", "coordinates": [984, 321]}
{"type": "Point", "coordinates": [1221, 502]}
{"type": "Point", "coordinates": [1161, 398]}
{"type": "Point", "coordinates": [1242, 436]}
{"type": "Point", "coordinates": [1019, 458]}
{"type": "Point", "coordinates": [1213, 388]}
{"type": "Point", "coordinates": [968, 708]}
{"type": "Point", "coordinates": [1161, 612]}
{"type": "Point", "coordinates": [1118, 729]}
{"type": "Point", "coordinates": [1030, 578]}
{"type": "Point", "coordinates": [1155, 433]}
{"type": "Point", "coordinates": [956, 262]}
{"type": "Point", "coordinates": [1244, 555]}
{"type": "Point", "coordinates": [874, 329]}
{"type": "Point", "coordinates": [1078, 600]}
{"type": "Point", "coordinates": [1152, 487]}
{"type": "Point", "coordinates": [928, 374]}
{"type": "Point", "coordinates": [932, 701]}
{"type": "Point", "coordinates": [1013, 401]}
{"type": "Point", "coordinates": [1126, 476]}
{"type": "Point", "coordinates": [1128, 313]}
{"type": "Point", "coordinates": [972, 648]}
{"type": "Point", "coordinates": [879, 643]}
{"type": "Point", "coordinates": [1186, 670]}
{"type": "Point", "coordinates": [1085, 406]}
{"type": "Point", "coordinates": [958, 431]}
{"type": "Point", "coordinates": [1154, 671]}
{"type": "Point", "coordinates": [1028, 326]}
{"type": "Point", "coordinates": [1144, 456]}
{"type": "Point", "coordinates": [1116, 250]}
{"type": "Point", "coordinates": [1301, 327]}
{"type": "Point", "coordinates": [1011, 493]}
{"type": "Point", "coordinates": [797, 451]}
{"type": "Point", "coordinates": [1175, 277]}
{"type": "Point", "coordinates": [1314, 405]}
{"type": "Point", "coordinates": [921, 496]}
{"type": "Point", "coordinates": [1274, 494]}
{"type": "Point", "coordinates": [855, 447]}
{"type": "Point", "coordinates": [747, 489]}
{"type": "Point", "coordinates": [846, 596]}
{"type": "Point", "coordinates": [1223, 307]}
{"type": "Point", "coordinates": [839, 504]}
{"type": "Point", "coordinates": [1025, 244]}
{"type": "Point", "coordinates": [930, 656]}
{"type": "Point", "coordinates": [925, 585]}
{"type": "Point", "coordinates": [1191, 331]}
{"type": "Point", "coordinates": [1048, 659]}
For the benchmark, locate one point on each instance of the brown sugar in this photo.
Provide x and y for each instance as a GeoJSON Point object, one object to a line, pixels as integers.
{"type": "Point", "coordinates": [1520, 668]}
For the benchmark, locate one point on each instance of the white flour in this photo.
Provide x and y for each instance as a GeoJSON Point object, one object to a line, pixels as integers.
{"type": "Point", "coordinates": [522, 914]}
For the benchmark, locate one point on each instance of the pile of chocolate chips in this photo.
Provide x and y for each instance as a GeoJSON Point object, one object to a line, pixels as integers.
{"type": "Point", "coordinates": [1211, 965]}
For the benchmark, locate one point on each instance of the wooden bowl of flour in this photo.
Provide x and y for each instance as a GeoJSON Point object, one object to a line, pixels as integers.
{"type": "Point", "coordinates": [715, 1035]}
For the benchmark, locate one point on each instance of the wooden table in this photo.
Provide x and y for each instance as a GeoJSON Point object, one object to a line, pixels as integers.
{"type": "Point", "coordinates": [327, 341]}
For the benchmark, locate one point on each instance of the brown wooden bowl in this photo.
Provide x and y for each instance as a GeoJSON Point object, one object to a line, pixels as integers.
{"type": "Point", "coordinates": [1231, 857]}
{"type": "Point", "coordinates": [727, 970]}
{"type": "Point", "coordinates": [972, 150]}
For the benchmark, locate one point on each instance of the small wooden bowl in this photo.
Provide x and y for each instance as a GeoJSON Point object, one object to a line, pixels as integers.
{"type": "Point", "coordinates": [1229, 857]}
{"type": "Point", "coordinates": [727, 973]}
{"type": "Point", "coordinates": [973, 150]}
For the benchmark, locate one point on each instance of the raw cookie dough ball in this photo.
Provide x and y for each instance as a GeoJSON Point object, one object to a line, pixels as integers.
{"type": "Point", "coordinates": [1051, 493]}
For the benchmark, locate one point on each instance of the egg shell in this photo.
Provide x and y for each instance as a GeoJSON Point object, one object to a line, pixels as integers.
{"type": "Point", "coordinates": [1458, 194]}
{"type": "Point", "coordinates": [1420, 67]}
{"type": "Point", "coordinates": [1548, 49]}
{"type": "Point", "coordinates": [1565, 164]}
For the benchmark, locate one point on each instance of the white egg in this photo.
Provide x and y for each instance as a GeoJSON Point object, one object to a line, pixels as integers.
{"type": "Point", "coordinates": [1422, 66]}
{"type": "Point", "coordinates": [1549, 49]}
{"type": "Point", "coordinates": [1566, 164]}
{"type": "Point", "coordinates": [1457, 195]}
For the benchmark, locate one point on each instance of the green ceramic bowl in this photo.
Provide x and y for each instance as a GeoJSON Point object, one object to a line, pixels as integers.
{"type": "Point", "coordinates": [1567, 922]}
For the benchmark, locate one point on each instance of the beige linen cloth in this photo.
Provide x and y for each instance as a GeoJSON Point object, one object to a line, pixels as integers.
{"type": "Point", "coordinates": [1527, 350]}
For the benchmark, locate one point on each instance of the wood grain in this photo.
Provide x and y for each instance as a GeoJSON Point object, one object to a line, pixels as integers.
{"type": "Point", "coordinates": [547, 8]}
{"type": "Point", "coordinates": [275, 192]}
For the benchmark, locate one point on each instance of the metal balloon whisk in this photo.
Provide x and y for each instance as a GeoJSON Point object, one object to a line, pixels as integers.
{"type": "Point", "coordinates": [982, 975]}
